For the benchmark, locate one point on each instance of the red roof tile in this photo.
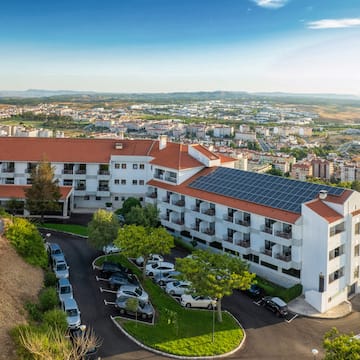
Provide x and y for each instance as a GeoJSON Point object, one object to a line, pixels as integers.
{"type": "Point", "coordinates": [17, 191]}
{"type": "Point", "coordinates": [203, 150]}
{"type": "Point", "coordinates": [262, 210]}
{"type": "Point", "coordinates": [326, 212]}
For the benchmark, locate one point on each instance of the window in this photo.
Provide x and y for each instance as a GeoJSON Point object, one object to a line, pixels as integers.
{"type": "Point", "coordinates": [337, 229]}
{"type": "Point", "coordinates": [336, 275]}
{"type": "Point", "coordinates": [116, 198]}
{"type": "Point", "coordinates": [356, 272]}
{"type": "Point", "coordinates": [141, 182]}
{"type": "Point", "coordinates": [123, 166]}
{"type": "Point", "coordinates": [357, 250]}
{"type": "Point", "coordinates": [357, 228]}
{"type": "Point", "coordinates": [117, 166]}
{"type": "Point", "coordinates": [336, 252]}
{"type": "Point", "coordinates": [123, 198]}
{"type": "Point", "coordinates": [86, 197]}
{"type": "Point", "coordinates": [98, 198]}
{"type": "Point", "coordinates": [67, 182]}
{"type": "Point", "coordinates": [141, 199]}
{"type": "Point", "coordinates": [134, 182]}
{"type": "Point", "coordinates": [28, 181]}
{"type": "Point", "coordinates": [135, 166]}
{"type": "Point", "coordinates": [9, 181]}
{"type": "Point", "coordinates": [142, 166]}
{"type": "Point", "coordinates": [123, 182]}
{"type": "Point", "coordinates": [116, 181]}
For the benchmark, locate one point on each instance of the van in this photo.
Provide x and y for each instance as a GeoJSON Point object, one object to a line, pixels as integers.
{"type": "Point", "coordinates": [70, 307]}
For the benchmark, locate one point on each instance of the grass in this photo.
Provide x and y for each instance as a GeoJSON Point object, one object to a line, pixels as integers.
{"type": "Point", "coordinates": [178, 330]}
{"type": "Point", "coordinates": [70, 228]}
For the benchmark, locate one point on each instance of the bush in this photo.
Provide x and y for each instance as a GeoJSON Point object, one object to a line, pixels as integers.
{"type": "Point", "coordinates": [50, 279]}
{"type": "Point", "coordinates": [27, 241]}
{"type": "Point", "coordinates": [55, 319]}
{"type": "Point", "coordinates": [33, 311]}
{"type": "Point", "coordinates": [21, 352]}
{"type": "Point", "coordinates": [181, 243]}
{"type": "Point", "coordinates": [48, 299]}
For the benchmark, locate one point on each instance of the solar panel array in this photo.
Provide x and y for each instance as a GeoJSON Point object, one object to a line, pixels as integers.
{"type": "Point", "coordinates": [269, 190]}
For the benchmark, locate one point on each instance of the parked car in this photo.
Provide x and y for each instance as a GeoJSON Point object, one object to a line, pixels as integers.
{"type": "Point", "coordinates": [159, 267]}
{"type": "Point", "coordinates": [64, 289]}
{"type": "Point", "coordinates": [153, 258]}
{"type": "Point", "coordinates": [54, 251]}
{"type": "Point", "coordinates": [177, 288]}
{"type": "Point", "coordinates": [144, 310]}
{"type": "Point", "coordinates": [199, 301]}
{"type": "Point", "coordinates": [109, 267]}
{"type": "Point", "coordinates": [255, 291]}
{"type": "Point", "coordinates": [133, 291]}
{"type": "Point", "coordinates": [70, 307]}
{"type": "Point", "coordinates": [276, 305]}
{"type": "Point", "coordinates": [165, 277]}
{"type": "Point", "coordinates": [111, 249]}
{"type": "Point", "coordinates": [60, 268]}
{"type": "Point", "coordinates": [76, 335]}
{"type": "Point", "coordinates": [118, 279]}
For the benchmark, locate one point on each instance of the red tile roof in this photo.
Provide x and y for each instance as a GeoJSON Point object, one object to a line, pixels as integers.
{"type": "Point", "coordinates": [203, 150]}
{"type": "Point", "coordinates": [266, 211]}
{"type": "Point", "coordinates": [174, 155]}
{"type": "Point", "coordinates": [326, 212]}
{"type": "Point", "coordinates": [17, 191]}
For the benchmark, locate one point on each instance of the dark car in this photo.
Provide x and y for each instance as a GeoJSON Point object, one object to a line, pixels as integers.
{"type": "Point", "coordinates": [109, 267]}
{"type": "Point", "coordinates": [255, 291]}
{"type": "Point", "coordinates": [276, 305]}
{"type": "Point", "coordinates": [118, 279]}
{"type": "Point", "coordinates": [145, 310]}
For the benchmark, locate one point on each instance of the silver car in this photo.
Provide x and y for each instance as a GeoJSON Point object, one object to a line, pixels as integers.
{"type": "Point", "coordinates": [61, 268]}
{"type": "Point", "coordinates": [133, 291]}
{"type": "Point", "coordinates": [70, 307]}
{"type": "Point", "coordinates": [64, 290]}
{"type": "Point", "coordinates": [177, 288]}
{"type": "Point", "coordinates": [144, 309]}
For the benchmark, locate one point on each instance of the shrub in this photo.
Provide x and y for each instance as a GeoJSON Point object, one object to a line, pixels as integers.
{"type": "Point", "coordinates": [21, 351]}
{"type": "Point", "coordinates": [55, 319]}
{"type": "Point", "coordinates": [50, 279]}
{"type": "Point", "coordinates": [33, 311]}
{"type": "Point", "coordinates": [27, 241]}
{"type": "Point", "coordinates": [181, 243]}
{"type": "Point", "coordinates": [48, 299]}
{"type": "Point", "coordinates": [287, 294]}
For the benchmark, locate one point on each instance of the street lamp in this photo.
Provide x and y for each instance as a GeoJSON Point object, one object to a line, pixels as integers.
{"type": "Point", "coordinates": [315, 352]}
{"type": "Point", "coordinates": [213, 324]}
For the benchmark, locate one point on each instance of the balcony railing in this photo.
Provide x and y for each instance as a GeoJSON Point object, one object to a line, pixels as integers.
{"type": "Point", "coordinates": [244, 243]}
{"type": "Point", "coordinates": [283, 257]}
{"type": "Point", "coordinates": [209, 231]}
{"type": "Point", "coordinates": [170, 179]}
{"type": "Point", "coordinates": [228, 218]}
{"type": "Point", "coordinates": [103, 172]}
{"type": "Point", "coordinates": [103, 188]}
{"type": "Point", "coordinates": [68, 171]}
{"type": "Point", "coordinates": [195, 208]}
{"type": "Point", "coordinates": [80, 172]}
{"type": "Point", "coordinates": [178, 222]}
{"type": "Point", "coordinates": [80, 188]}
{"type": "Point", "coordinates": [159, 176]}
{"type": "Point", "coordinates": [267, 252]}
{"type": "Point", "coordinates": [228, 239]}
{"type": "Point", "coordinates": [242, 222]}
{"type": "Point", "coordinates": [180, 203]}
{"type": "Point", "coordinates": [195, 227]}
{"type": "Point", "coordinates": [210, 212]}
{"type": "Point", "coordinates": [283, 234]}
{"type": "Point", "coordinates": [266, 229]}
{"type": "Point", "coordinates": [152, 195]}
{"type": "Point", "coordinates": [166, 199]}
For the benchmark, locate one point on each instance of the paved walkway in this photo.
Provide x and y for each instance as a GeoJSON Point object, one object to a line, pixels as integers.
{"type": "Point", "coordinates": [301, 307]}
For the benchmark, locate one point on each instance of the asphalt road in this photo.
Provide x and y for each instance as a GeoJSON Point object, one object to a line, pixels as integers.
{"type": "Point", "coordinates": [268, 337]}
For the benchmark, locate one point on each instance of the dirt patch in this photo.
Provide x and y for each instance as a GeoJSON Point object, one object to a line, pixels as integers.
{"type": "Point", "coordinates": [19, 282]}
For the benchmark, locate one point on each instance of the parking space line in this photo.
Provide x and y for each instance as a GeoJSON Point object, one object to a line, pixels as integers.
{"type": "Point", "coordinates": [294, 317]}
{"type": "Point", "coordinates": [257, 302]}
{"type": "Point", "coordinates": [109, 291]}
{"type": "Point", "coordinates": [109, 302]}
{"type": "Point", "coordinates": [101, 279]}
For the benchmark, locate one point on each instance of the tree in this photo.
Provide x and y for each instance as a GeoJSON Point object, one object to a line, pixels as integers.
{"type": "Point", "coordinates": [215, 274]}
{"type": "Point", "coordinates": [13, 206]}
{"type": "Point", "coordinates": [147, 216]}
{"type": "Point", "coordinates": [103, 229]}
{"type": "Point", "coordinates": [132, 305]}
{"type": "Point", "coordinates": [341, 346]}
{"type": "Point", "coordinates": [128, 204]}
{"type": "Point", "coordinates": [355, 185]}
{"type": "Point", "coordinates": [275, 171]}
{"type": "Point", "coordinates": [44, 193]}
{"type": "Point", "coordinates": [138, 241]}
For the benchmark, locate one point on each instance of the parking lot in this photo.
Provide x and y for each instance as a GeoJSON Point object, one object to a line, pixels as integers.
{"type": "Point", "coordinates": [268, 337]}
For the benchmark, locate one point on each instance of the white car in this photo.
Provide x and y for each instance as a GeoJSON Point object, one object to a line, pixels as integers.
{"type": "Point", "coordinates": [158, 267]}
{"type": "Point", "coordinates": [198, 301]}
{"type": "Point", "coordinates": [133, 291]}
{"type": "Point", "coordinates": [153, 258]}
{"type": "Point", "coordinates": [177, 288]}
{"type": "Point", "coordinates": [111, 249]}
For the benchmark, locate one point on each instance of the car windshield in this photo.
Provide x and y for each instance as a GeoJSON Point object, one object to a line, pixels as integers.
{"type": "Point", "coordinates": [72, 312]}
{"type": "Point", "coordinates": [66, 290]}
{"type": "Point", "coordinates": [176, 283]}
{"type": "Point", "coordinates": [57, 252]}
{"type": "Point", "coordinates": [138, 291]}
{"type": "Point", "coordinates": [61, 267]}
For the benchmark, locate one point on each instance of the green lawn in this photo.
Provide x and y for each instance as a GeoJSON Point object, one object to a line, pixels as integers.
{"type": "Point", "coordinates": [177, 330]}
{"type": "Point", "coordinates": [70, 228]}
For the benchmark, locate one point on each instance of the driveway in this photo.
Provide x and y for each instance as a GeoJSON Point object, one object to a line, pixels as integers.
{"type": "Point", "coordinates": [268, 337]}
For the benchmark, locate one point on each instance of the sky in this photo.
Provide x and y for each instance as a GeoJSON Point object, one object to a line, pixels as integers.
{"type": "Point", "coordinates": [300, 46]}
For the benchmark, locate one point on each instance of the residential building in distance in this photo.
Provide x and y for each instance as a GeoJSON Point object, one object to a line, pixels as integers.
{"type": "Point", "coordinates": [301, 171]}
{"type": "Point", "coordinates": [290, 231]}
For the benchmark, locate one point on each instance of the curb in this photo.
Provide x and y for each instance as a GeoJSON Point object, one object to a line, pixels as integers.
{"type": "Point", "coordinates": [140, 344]}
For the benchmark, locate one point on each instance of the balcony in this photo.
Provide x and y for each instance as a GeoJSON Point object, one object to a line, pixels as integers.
{"type": "Point", "coordinates": [195, 208]}
{"type": "Point", "coordinates": [210, 212]}
{"type": "Point", "coordinates": [68, 171]}
{"type": "Point", "coordinates": [267, 252]}
{"type": "Point", "coordinates": [228, 218]}
{"type": "Point", "coordinates": [283, 234]}
{"type": "Point", "coordinates": [80, 188]}
{"type": "Point", "coordinates": [180, 203]}
{"type": "Point", "coordinates": [228, 239]}
{"type": "Point", "coordinates": [209, 232]}
{"type": "Point", "coordinates": [166, 199]}
{"type": "Point", "coordinates": [244, 243]}
{"type": "Point", "coordinates": [159, 176]}
{"type": "Point", "coordinates": [170, 179]}
{"type": "Point", "coordinates": [103, 188]}
{"type": "Point", "coordinates": [152, 195]}
{"type": "Point", "coordinates": [80, 172]}
{"type": "Point", "coordinates": [177, 225]}
{"type": "Point", "coordinates": [242, 222]}
{"type": "Point", "coordinates": [283, 257]}
{"type": "Point", "coordinates": [103, 172]}
{"type": "Point", "coordinates": [266, 229]}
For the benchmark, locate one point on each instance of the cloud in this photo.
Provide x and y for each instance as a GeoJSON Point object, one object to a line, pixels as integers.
{"type": "Point", "coordinates": [270, 4]}
{"type": "Point", "coordinates": [333, 23]}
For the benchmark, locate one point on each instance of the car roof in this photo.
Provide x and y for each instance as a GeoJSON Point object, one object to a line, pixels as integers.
{"type": "Point", "coordinates": [54, 246]}
{"type": "Point", "coordinates": [163, 263]}
{"type": "Point", "coordinates": [279, 301]}
{"type": "Point", "coordinates": [64, 282]}
{"type": "Point", "coordinates": [128, 287]}
{"type": "Point", "coordinates": [59, 260]}
{"type": "Point", "coordinates": [70, 303]}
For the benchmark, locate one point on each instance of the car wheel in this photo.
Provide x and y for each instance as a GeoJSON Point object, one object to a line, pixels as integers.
{"type": "Point", "coordinates": [172, 292]}
{"type": "Point", "coordinates": [188, 305]}
{"type": "Point", "coordinates": [150, 274]}
{"type": "Point", "coordinates": [210, 307]}
{"type": "Point", "coordinates": [122, 311]}
{"type": "Point", "coordinates": [161, 283]}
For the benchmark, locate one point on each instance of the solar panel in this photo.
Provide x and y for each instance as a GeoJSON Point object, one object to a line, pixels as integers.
{"type": "Point", "coordinates": [269, 190]}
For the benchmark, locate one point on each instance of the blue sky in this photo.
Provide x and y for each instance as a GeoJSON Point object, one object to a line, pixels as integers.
{"type": "Point", "coordinates": [181, 45]}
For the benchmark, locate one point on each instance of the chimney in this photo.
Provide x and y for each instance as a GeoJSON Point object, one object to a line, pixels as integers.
{"type": "Point", "coordinates": [121, 135]}
{"type": "Point", "coordinates": [322, 194]}
{"type": "Point", "coordinates": [162, 142]}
